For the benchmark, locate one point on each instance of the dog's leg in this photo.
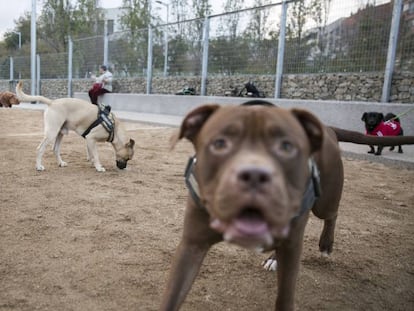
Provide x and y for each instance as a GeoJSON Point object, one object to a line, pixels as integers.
{"type": "Point", "coordinates": [326, 239]}
{"type": "Point", "coordinates": [379, 150]}
{"type": "Point", "coordinates": [195, 243]}
{"type": "Point", "coordinates": [93, 153]}
{"type": "Point", "coordinates": [88, 157]}
{"type": "Point", "coordinates": [40, 151]}
{"type": "Point", "coordinates": [399, 147]}
{"type": "Point", "coordinates": [187, 262]}
{"type": "Point", "coordinates": [371, 150]}
{"type": "Point", "coordinates": [288, 259]}
{"type": "Point", "coordinates": [56, 150]}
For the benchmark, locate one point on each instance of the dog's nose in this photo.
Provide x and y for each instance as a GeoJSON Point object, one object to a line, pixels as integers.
{"type": "Point", "coordinates": [254, 177]}
{"type": "Point", "coordinates": [121, 164]}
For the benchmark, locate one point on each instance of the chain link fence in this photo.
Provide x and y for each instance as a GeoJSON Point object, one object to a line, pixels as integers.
{"type": "Point", "coordinates": [346, 36]}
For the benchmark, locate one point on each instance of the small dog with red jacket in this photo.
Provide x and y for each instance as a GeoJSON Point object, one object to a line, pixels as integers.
{"type": "Point", "coordinates": [378, 125]}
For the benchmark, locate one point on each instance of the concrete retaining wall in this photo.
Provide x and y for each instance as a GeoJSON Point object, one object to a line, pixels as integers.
{"type": "Point", "coordinates": [342, 86]}
{"type": "Point", "coordinates": [335, 113]}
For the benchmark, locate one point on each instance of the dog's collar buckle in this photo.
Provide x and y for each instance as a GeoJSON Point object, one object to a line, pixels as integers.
{"type": "Point", "coordinates": [313, 190]}
{"type": "Point", "coordinates": [191, 181]}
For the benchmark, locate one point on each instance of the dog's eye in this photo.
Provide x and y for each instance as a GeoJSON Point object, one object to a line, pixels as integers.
{"type": "Point", "coordinates": [220, 145]}
{"type": "Point", "coordinates": [286, 148]}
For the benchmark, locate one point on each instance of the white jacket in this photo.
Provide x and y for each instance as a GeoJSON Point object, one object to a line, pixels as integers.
{"type": "Point", "coordinates": [106, 80]}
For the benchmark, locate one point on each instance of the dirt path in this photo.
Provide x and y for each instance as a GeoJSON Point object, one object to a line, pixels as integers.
{"type": "Point", "coordinates": [75, 239]}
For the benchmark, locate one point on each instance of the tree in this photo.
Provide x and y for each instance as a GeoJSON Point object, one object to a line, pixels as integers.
{"type": "Point", "coordinates": [230, 23]}
{"type": "Point", "coordinates": [201, 9]}
{"type": "Point", "coordinates": [299, 42]}
{"type": "Point", "coordinates": [222, 58]}
{"type": "Point", "coordinates": [11, 38]}
{"type": "Point", "coordinates": [257, 26]}
{"type": "Point", "coordinates": [135, 22]}
{"type": "Point", "coordinates": [61, 18]}
{"type": "Point", "coordinates": [368, 34]}
{"type": "Point", "coordinates": [136, 16]}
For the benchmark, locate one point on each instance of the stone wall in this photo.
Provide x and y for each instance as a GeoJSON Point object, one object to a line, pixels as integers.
{"type": "Point", "coordinates": [348, 87]}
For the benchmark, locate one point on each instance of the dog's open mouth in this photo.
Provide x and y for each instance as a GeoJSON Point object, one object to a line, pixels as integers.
{"type": "Point", "coordinates": [249, 229]}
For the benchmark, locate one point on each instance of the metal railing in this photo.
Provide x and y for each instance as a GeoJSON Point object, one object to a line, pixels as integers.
{"type": "Point", "coordinates": [265, 40]}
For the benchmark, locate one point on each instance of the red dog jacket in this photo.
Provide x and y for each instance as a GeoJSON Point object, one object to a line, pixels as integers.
{"type": "Point", "coordinates": [387, 128]}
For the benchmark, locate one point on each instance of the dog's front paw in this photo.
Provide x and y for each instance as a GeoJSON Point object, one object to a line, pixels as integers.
{"type": "Point", "coordinates": [63, 164]}
{"type": "Point", "coordinates": [40, 168]}
{"type": "Point", "coordinates": [325, 254]}
{"type": "Point", "coordinates": [270, 264]}
{"type": "Point", "coordinates": [100, 169]}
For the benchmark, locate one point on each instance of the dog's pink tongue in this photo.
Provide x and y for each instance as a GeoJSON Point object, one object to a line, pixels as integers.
{"type": "Point", "coordinates": [251, 226]}
{"type": "Point", "coordinates": [247, 232]}
{"type": "Point", "coordinates": [241, 226]}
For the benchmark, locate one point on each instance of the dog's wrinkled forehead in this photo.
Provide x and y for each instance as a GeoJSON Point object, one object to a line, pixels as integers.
{"type": "Point", "coordinates": [249, 122]}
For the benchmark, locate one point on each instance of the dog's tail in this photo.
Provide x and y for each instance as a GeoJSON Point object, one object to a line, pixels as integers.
{"type": "Point", "coordinates": [30, 98]}
{"type": "Point", "coordinates": [358, 138]}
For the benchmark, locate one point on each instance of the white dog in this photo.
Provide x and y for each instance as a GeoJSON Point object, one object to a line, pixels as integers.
{"type": "Point", "coordinates": [87, 120]}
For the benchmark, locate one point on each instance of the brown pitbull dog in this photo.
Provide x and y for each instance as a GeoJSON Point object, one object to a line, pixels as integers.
{"type": "Point", "coordinates": [258, 172]}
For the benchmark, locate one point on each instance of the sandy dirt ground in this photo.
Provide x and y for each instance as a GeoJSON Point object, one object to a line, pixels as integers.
{"type": "Point", "coordinates": [75, 239]}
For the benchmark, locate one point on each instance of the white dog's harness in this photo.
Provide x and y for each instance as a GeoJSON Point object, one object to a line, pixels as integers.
{"type": "Point", "coordinates": [106, 118]}
{"type": "Point", "coordinates": [312, 192]}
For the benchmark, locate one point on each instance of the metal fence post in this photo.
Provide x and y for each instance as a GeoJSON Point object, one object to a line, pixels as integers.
{"type": "Point", "coordinates": [149, 61]}
{"type": "Point", "coordinates": [38, 74]}
{"type": "Point", "coordinates": [105, 60]}
{"type": "Point", "coordinates": [204, 65]}
{"type": "Point", "coordinates": [11, 69]}
{"type": "Point", "coordinates": [392, 47]}
{"type": "Point", "coordinates": [33, 47]}
{"type": "Point", "coordinates": [281, 51]}
{"type": "Point", "coordinates": [166, 51]}
{"type": "Point", "coordinates": [70, 64]}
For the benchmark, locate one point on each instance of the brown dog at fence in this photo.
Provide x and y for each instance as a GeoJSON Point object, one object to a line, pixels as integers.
{"type": "Point", "coordinates": [257, 172]}
{"type": "Point", "coordinates": [7, 99]}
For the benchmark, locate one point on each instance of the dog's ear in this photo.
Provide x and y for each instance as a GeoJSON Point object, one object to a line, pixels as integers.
{"type": "Point", "coordinates": [312, 126]}
{"type": "Point", "coordinates": [194, 121]}
{"type": "Point", "coordinates": [131, 143]}
{"type": "Point", "coordinates": [380, 117]}
{"type": "Point", "coordinates": [364, 116]}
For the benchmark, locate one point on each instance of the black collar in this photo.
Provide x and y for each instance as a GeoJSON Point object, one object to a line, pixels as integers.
{"type": "Point", "coordinates": [312, 192]}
